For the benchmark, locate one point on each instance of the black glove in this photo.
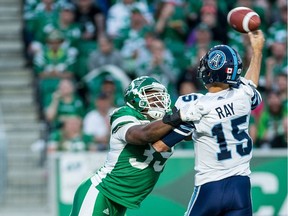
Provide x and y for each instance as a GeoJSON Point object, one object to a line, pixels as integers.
{"type": "Point", "coordinates": [173, 118]}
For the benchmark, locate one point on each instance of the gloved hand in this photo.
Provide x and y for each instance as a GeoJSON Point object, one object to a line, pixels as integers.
{"type": "Point", "coordinates": [173, 118]}
{"type": "Point", "coordinates": [192, 112]}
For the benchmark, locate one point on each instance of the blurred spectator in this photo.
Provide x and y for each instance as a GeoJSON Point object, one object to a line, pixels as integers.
{"type": "Point", "coordinates": [96, 122]}
{"type": "Point", "coordinates": [282, 140]}
{"type": "Point", "coordinates": [27, 31]}
{"type": "Point", "coordinates": [131, 40]}
{"type": "Point", "coordinates": [65, 24]}
{"type": "Point", "coordinates": [133, 34]}
{"type": "Point", "coordinates": [187, 86]}
{"type": "Point", "coordinates": [171, 26]}
{"type": "Point", "coordinates": [53, 63]}
{"type": "Point", "coordinates": [105, 55]}
{"type": "Point", "coordinates": [277, 62]}
{"type": "Point", "coordinates": [282, 86]}
{"type": "Point", "coordinates": [199, 42]}
{"type": "Point", "coordinates": [64, 104]}
{"type": "Point", "coordinates": [253, 130]}
{"type": "Point", "coordinates": [90, 18]}
{"type": "Point", "coordinates": [119, 15]}
{"type": "Point", "coordinates": [270, 125]}
{"type": "Point", "coordinates": [160, 64]}
{"type": "Point", "coordinates": [104, 5]}
{"type": "Point", "coordinates": [38, 16]}
{"type": "Point", "coordinates": [216, 21]}
{"type": "Point", "coordinates": [109, 80]}
{"type": "Point", "coordinates": [278, 11]}
{"type": "Point", "coordinates": [70, 138]}
{"type": "Point", "coordinates": [112, 88]}
{"type": "Point", "coordinates": [193, 53]}
{"type": "Point", "coordinates": [92, 24]}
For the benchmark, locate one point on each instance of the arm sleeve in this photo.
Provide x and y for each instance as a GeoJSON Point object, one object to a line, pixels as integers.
{"type": "Point", "coordinates": [121, 132]}
{"type": "Point", "coordinates": [178, 134]}
{"type": "Point", "coordinates": [251, 90]}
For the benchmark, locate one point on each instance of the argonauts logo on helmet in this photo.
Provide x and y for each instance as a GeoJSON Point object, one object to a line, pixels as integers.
{"type": "Point", "coordinates": [216, 60]}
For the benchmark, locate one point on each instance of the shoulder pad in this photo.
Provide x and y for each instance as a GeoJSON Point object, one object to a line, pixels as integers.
{"type": "Point", "coordinates": [248, 86]}
{"type": "Point", "coordinates": [187, 98]}
{"type": "Point", "coordinates": [247, 82]}
{"type": "Point", "coordinates": [126, 111]}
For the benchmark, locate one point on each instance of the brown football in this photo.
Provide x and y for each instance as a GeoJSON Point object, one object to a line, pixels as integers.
{"type": "Point", "coordinates": [243, 19]}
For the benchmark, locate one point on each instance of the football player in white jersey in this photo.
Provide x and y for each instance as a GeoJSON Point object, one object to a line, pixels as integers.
{"type": "Point", "coordinates": [132, 167]}
{"type": "Point", "coordinates": [223, 147]}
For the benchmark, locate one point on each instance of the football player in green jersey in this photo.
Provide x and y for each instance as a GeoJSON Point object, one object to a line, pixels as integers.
{"type": "Point", "coordinates": [132, 167]}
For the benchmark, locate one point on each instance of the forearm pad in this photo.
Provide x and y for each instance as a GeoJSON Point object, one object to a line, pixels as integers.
{"type": "Point", "coordinates": [172, 119]}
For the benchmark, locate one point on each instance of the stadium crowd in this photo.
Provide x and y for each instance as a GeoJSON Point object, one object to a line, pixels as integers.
{"type": "Point", "coordinates": [84, 53]}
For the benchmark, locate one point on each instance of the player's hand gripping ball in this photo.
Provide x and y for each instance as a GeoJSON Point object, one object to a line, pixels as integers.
{"type": "Point", "coordinates": [243, 19]}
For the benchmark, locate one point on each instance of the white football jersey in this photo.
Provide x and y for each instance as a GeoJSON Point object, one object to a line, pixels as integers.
{"type": "Point", "coordinates": [222, 144]}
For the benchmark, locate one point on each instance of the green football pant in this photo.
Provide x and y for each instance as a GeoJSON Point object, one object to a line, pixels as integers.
{"type": "Point", "coordinates": [88, 201]}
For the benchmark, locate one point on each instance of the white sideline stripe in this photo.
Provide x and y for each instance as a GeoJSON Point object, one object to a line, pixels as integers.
{"type": "Point", "coordinates": [246, 19]}
{"type": "Point", "coordinates": [89, 202]}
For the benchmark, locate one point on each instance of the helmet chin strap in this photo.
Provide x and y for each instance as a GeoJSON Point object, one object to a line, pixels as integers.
{"type": "Point", "coordinates": [156, 114]}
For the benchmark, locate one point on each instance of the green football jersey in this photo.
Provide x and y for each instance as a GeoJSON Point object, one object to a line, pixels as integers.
{"type": "Point", "coordinates": [130, 171]}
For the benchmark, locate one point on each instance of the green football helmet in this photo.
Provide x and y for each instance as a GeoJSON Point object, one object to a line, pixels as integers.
{"type": "Point", "coordinates": [148, 96]}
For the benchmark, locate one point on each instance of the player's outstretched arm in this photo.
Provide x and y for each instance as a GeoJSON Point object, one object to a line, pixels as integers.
{"type": "Point", "coordinates": [257, 42]}
{"type": "Point", "coordinates": [183, 131]}
{"type": "Point", "coordinates": [150, 133]}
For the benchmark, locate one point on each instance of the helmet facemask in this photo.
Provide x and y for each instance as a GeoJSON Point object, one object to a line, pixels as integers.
{"type": "Point", "coordinates": [155, 102]}
{"type": "Point", "coordinates": [148, 96]}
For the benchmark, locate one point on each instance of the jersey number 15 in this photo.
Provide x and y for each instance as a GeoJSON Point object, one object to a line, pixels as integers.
{"type": "Point", "coordinates": [224, 153]}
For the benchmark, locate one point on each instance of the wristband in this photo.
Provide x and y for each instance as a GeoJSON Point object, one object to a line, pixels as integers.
{"type": "Point", "coordinates": [172, 138]}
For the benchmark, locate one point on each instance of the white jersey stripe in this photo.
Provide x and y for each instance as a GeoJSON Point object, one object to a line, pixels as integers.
{"type": "Point", "coordinates": [123, 119]}
{"type": "Point", "coordinates": [87, 206]}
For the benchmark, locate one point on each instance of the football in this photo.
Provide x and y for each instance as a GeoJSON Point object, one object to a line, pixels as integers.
{"type": "Point", "coordinates": [243, 19]}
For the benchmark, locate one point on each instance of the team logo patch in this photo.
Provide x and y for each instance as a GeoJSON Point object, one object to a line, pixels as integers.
{"type": "Point", "coordinates": [216, 60]}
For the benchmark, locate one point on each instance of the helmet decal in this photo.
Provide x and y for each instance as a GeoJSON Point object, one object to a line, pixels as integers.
{"type": "Point", "coordinates": [216, 60]}
{"type": "Point", "coordinates": [235, 62]}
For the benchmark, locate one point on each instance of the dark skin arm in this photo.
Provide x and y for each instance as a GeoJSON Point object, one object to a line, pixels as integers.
{"type": "Point", "coordinates": [149, 133]}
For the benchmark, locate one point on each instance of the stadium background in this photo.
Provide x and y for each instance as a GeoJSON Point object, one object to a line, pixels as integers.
{"type": "Point", "coordinates": [26, 178]}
